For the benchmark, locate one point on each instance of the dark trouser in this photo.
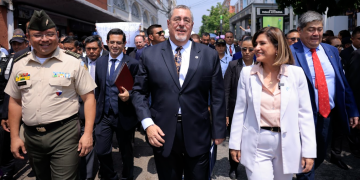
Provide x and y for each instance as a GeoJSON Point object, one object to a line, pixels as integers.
{"type": "Point", "coordinates": [104, 134]}
{"type": "Point", "coordinates": [337, 138]}
{"type": "Point", "coordinates": [233, 165]}
{"type": "Point", "coordinates": [179, 162]}
{"type": "Point", "coordinates": [88, 164]}
{"type": "Point", "coordinates": [322, 141]}
{"type": "Point", "coordinates": [53, 154]}
{"type": "Point", "coordinates": [6, 158]}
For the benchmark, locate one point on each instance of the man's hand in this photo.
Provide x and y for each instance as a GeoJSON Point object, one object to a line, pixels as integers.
{"type": "Point", "coordinates": [235, 155]}
{"type": "Point", "coordinates": [227, 122]}
{"type": "Point", "coordinates": [125, 95]}
{"type": "Point", "coordinates": [307, 164]}
{"type": "Point", "coordinates": [5, 125]}
{"type": "Point", "coordinates": [219, 141]}
{"type": "Point", "coordinates": [154, 134]}
{"type": "Point", "coordinates": [354, 121]}
{"type": "Point", "coordinates": [85, 144]}
{"type": "Point", "coordinates": [16, 144]}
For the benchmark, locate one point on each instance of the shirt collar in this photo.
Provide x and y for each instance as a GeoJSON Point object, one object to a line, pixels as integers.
{"type": "Point", "coordinates": [257, 69]}
{"type": "Point", "coordinates": [306, 49]}
{"type": "Point", "coordinates": [101, 52]}
{"type": "Point", "coordinates": [119, 58]}
{"type": "Point", "coordinates": [55, 55]}
{"type": "Point", "coordinates": [246, 65]}
{"type": "Point", "coordinates": [185, 47]}
{"type": "Point", "coordinates": [354, 47]}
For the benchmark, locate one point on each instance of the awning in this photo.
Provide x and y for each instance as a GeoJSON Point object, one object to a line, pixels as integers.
{"type": "Point", "coordinates": [77, 9]}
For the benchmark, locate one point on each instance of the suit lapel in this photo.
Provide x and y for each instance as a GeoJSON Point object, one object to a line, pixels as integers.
{"type": "Point", "coordinates": [256, 89]}
{"type": "Point", "coordinates": [168, 58]}
{"type": "Point", "coordinates": [286, 91]}
{"type": "Point", "coordinates": [103, 69]}
{"type": "Point", "coordinates": [193, 64]}
{"type": "Point", "coordinates": [302, 60]}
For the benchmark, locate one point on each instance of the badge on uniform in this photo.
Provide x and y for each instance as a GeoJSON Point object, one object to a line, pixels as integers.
{"type": "Point", "coordinates": [58, 92]}
{"type": "Point", "coordinates": [22, 77]}
{"type": "Point", "coordinates": [84, 65]}
{"type": "Point", "coordinates": [61, 74]}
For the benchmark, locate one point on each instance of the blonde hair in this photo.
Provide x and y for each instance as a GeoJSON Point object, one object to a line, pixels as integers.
{"type": "Point", "coordinates": [277, 38]}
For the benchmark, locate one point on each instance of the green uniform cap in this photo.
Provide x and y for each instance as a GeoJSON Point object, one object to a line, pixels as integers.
{"type": "Point", "coordinates": [40, 21]}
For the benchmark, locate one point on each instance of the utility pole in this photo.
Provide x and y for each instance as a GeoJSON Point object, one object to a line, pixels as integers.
{"type": "Point", "coordinates": [221, 18]}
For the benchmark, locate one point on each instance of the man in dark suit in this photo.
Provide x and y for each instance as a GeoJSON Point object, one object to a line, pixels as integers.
{"type": "Point", "coordinates": [231, 79]}
{"type": "Point", "coordinates": [230, 47]}
{"type": "Point", "coordinates": [140, 46]}
{"type": "Point", "coordinates": [205, 39]}
{"type": "Point", "coordinates": [114, 111]}
{"type": "Point", "coordinates": [179, 74]}
{"type": "Point", "coordinates": [331, 96]}
{"type": "Point", "coordinates": [346, 53]}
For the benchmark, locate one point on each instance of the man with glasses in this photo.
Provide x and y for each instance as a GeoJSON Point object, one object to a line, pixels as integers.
{"type": "Point", "coordinates": [44, 88]}
{"type": "Point", "coordinates": [156, 34]}
{"type": "Point", "coordinates": [292, 37]}
{"type": "Point", "coordinates": [205, 39]}
{"type": "Point", "coordinates": [115, 113]}
{"type": "Point", "coordinates": [140, 46]}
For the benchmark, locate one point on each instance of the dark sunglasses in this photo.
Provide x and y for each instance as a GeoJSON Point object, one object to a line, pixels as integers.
{"type": "Point", "coordinates": [338, 46]}
{"type": "Point", "coordinates": [293, 39]}
{"type": "Point", "coordinates": [245, 49]}
{"type": "Point", "coordinates": [160, 32]}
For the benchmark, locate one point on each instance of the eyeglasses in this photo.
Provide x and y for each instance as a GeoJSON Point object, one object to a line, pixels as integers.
{"type": "Point", "coordinates": [40, 36]}
{"type": "Point", "coordinates": [293, 39]}
{"type": "Point", "coordinates": [160, 32]}
{"type": "Point", "coordinates": [245, 49]}
{"type": "Point", "coordinates": [339, 46]}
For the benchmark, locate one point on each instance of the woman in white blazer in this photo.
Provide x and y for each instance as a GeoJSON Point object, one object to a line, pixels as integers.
{"type": "Point", "coordinates": [273, 131]}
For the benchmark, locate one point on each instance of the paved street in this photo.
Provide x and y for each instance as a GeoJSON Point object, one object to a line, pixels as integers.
{"type": "Point", "coordinates": [145, 165]}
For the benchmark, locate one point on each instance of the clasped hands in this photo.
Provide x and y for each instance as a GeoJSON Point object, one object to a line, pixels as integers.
{"type": "Point", "coordinates": [155, 136]}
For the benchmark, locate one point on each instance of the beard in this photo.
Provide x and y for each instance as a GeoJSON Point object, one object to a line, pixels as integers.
{"type": "Point", "coordinates": [181, 38]}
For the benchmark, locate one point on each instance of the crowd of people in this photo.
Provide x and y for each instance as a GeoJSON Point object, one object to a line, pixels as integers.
{"type": "Point", "coordinates": [279, 96]}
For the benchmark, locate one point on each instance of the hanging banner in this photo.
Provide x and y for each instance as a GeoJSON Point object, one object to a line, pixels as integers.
{"type": "Point", "coordinates": [130, 29]}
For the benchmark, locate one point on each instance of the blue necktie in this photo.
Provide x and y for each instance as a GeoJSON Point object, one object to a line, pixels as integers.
{"type": "Point", "coordinates": [112, 68]}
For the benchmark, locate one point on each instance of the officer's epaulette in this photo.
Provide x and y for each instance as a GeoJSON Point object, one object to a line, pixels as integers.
{"type": "Point", "coordinates": [76, 55]}
{"type": "Point", "coordinates": [21, 56]}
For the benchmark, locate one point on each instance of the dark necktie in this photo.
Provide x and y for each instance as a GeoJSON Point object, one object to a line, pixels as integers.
{"type": "Point", "coordinates": [178, 59]}
{"type": "Point", "coordinates": [112, 68]}
{"type": "Point", "coordinates": [321, 86]}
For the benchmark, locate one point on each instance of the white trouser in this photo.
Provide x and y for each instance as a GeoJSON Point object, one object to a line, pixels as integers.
{"type": "Point", "coordinates": [268, 160]}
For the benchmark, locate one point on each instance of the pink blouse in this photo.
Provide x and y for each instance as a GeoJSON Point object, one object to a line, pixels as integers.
{"type": "Point", "coordinates": [270, 102]}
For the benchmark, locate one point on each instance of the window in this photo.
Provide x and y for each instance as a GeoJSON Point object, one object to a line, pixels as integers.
{"type": "Point", "coordinates": [134, 11]}
{"type": "Point", "coordinates": [120, 4]}
{"type": "Point", "coordinates": [145, 18]}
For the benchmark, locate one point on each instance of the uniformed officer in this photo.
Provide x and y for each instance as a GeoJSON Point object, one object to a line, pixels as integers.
{"type": "Point", "coordinates": [44, 85]}
{"type": "Point", "coordinates": [18, 42]}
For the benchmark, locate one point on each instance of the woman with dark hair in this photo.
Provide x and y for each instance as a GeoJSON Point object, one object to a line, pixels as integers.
{"type": "Point", "coordinates": [272, 130]}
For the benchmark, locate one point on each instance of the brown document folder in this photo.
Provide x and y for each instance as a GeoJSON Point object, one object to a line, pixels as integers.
{"type": "Point", "coordinates": [124, 79]}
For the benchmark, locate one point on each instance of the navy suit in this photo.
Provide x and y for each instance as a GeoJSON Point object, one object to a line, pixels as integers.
{"type": "Point", "coordinates": [345, 106]}
{"type": "Point", "coordinates": [157, 75]}
{"type": "Point", "coordinates": [121, 120]}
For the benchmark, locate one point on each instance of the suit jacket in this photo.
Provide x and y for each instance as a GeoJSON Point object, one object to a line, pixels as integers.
{"type": "Point", "coordinates": [231, 79]}
{"type": "Point", "coordinates": [353, 76]}
{"type": "Point", "coordinates": [345, 58]}
{"type": "Point", "coordinates": [212, 46]}
{"type": "Point", "coordinates": [133, 54]}
{"type": "Point", "coordinates": [344, 99]}
{"type": "Point", "coordinates": [105, 53]}
{"type": "Point", "coordinates": [157, 75]}
{"type": "Point", "coordinates": [296, 119]}
{"type": "Point", "coordinates": [237, 49]}
{"type": "Point", "coordinates": [127, 116]}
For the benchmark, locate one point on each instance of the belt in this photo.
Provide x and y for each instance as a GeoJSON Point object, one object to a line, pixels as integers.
{"type": "Point", "coordinates": [273, 129]}
{"type": "Point", "coordinates": [179, 118]}
{"type": "Point", "coordinates": [49, 127]}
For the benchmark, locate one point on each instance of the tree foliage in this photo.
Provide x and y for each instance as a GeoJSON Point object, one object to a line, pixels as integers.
{"type": "Point", "coordinates": [212, 22]}
{"type": "Point", "coordinates": [336, 7]}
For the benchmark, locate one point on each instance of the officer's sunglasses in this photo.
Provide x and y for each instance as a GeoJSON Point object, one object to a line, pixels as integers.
{"type": "Point", "coordinates": [160, 32]}
{"type": "Point", "coordinates": [293, 39]}
{"type": "Point", "coordinates": [245, 49]}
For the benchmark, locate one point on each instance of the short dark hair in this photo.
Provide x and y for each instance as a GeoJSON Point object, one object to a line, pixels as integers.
{"type": "Point", "coordinates": [329, 39]}
{"type": "Point", "coordinates": [329, 33]}
{"type": "Point", "coordinates": [151, 28]}
{"type": "Point", "coordinates": [71, 39]}
{"type": "Point", "coordinates": [356, 30]}
{"type": "Point", "coordinates": [118, 32]}
{"type": "Point", "coordinates": [195, 36]}
{"type": "Point", "coordinates": [344, 33]}
{"type": "Point", "coordinates": [91, 39]}
{"type": "Point", "coordinates": [83, 38]}
{"type": "Point", "coordinates": [291, 31]}
{"type": "Point", "coordinates": [229, 32]}
{"type": "Point", "coordinates": [212, 38]}
{"type": "Point", "coordinates": [248, 38]}
{"type": "Point", "coordinates": [140, 36]}
{"type": "Point", "coordinates": [205, 34]}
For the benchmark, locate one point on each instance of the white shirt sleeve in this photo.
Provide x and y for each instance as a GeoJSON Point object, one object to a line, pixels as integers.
{"type": "Point", "coordinates": [147, 122]}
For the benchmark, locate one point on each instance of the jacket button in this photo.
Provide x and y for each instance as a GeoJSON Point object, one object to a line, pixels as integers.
{"type": "Point", "coordinates": [175, 115]}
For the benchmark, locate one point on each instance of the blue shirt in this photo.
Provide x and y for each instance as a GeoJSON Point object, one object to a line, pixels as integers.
{"type": "Point", "coordinates": [328, 71]}
{"type": "Point", "coordinates": [224, 63]}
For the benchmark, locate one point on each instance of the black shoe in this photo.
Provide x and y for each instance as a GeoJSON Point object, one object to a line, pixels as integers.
{"type": "Point", "coordinates": [7, 176]}
{"type": "Point", "coordinates": [339, 163]}
{"type": "Point", "coordinates": [232, 174]}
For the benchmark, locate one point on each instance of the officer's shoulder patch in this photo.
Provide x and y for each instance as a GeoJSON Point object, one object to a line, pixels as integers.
{"type": "Point", "coordinates": [21, 56]}
{"type": "Point", "coordinates": [76, 55]}
{"type": "Point", "coordinates": [83, 65]}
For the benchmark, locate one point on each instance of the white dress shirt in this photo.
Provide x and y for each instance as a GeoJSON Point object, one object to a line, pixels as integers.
{"type": "Point", "coordinates": [185, 60]}
{"type": "Point", "coordinates": [119, 58]}
{"type": "Point", "coordinates": [92, 66]}
{"type": "Point", "coordinates": [228, 49]}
